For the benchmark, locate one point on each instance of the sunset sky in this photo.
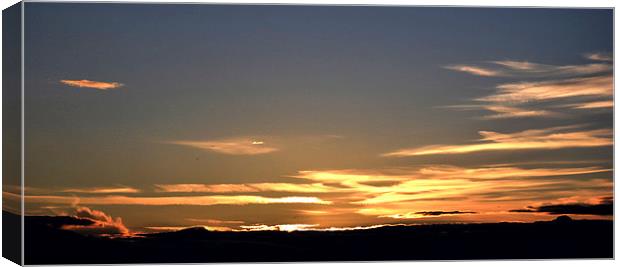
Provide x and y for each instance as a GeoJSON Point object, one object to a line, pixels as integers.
{"type": "Point", "coordinates": [158, 117]}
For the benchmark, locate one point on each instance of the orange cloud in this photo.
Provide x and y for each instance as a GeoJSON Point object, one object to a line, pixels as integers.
{"type": "Point", "coordinates": [92, 84]}
{"type": "Point", "coordinates": [101, 190]}
{"type": "Point", "coordinates": [213, 221]}
{"type": "Point", "coordinates": [549, 138]}
{"type": "Point", "coordinates": [251, 187]}
{"type": "Point", "coordinates": [446, 172]}
{"type": "Point", "coordinates": [524, 68]}
{"type": "Point", "coordinates": [103, 224]}
{"type": "Point", "coordinates": [503, 112]}
{"type": "Point", "coordinates": [239, 146]}
{"type": "Point", "coordinates": [530, 69]}
{"type": "Point", "coordinates": [177, 200]}
{"type": "Point", "coordinates": [598, 86]}
{"type": "Point", "coordinates": [593, 105]}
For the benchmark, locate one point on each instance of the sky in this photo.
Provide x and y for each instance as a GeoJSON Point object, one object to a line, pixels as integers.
{"type": "Point", "coordinates": [150, 117]}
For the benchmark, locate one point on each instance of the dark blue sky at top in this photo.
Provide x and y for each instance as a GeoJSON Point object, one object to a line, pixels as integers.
{"type": "Point", "coordinates": [214, 71]}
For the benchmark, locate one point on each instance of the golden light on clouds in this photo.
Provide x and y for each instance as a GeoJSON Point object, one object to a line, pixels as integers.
{"type": "Point", "coordinates": [92, 84]}
{"type": "Point", "coordinates": [593, 105]}
{"type": "Point", "coordinates": [251, 187]}
{"type": "Point", "coordinates": [503, 112]}
{"type": "Point", "coordinates": [174, 200]}
{"type": "Point", "coordinates": [101, 190]}
{"type": "Point", "coordinates": [548, 138]}
{"type": "Point", "coordinates": [235, 146]}
{"type": "Point", "coordinates": [599, 86]}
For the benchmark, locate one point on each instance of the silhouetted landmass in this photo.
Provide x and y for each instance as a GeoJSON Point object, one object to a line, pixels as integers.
{"type": "Point", "coordinates": [46, 243]}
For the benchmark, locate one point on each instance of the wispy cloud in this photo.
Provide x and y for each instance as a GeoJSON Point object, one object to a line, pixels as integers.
{"type": "Point", "coordinates": [92, 84]}
{"type": "Point", "coordinates": [525, 68]}
{"type": "Point", "coordinates": [599, 56]}
{"type": "Point", "coordinates": [549, 138]}
{"type": "Point", "coordinates": [250, 187]}
{"type": "Point", "coordinates": [101, 190]}
{"type": "Point", "coordinates": [475, 70]}
{"type": "Point", "coordinates": [452, 172]}
{"type": "Point", "coordinates": [503, 112]}
{"type": "Point", "coordinates": [174, 200]}
{"type": "Point", "coordinates": [581, 84]}
{"type": "Point", "coordinates": [593, 105]}
{"type": "Point", "coordinates": [599, 86]}
{"type": "Point", "coordinates": [213, 221]}
{"type": "Point", "coordinates": [237, 146]}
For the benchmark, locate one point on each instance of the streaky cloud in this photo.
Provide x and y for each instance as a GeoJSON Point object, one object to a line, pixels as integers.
{"type": "Point", "coordinates": [598, 86]}
{"type": "Point", "coordinates": [525, 69]}
{"type": "Point", "coordinates": [542, 139]}
{"type": "Point", "coordinates": [102, 190]}
{"type": "Point", "coordinates": [599, 56]}
{"type": "Point", "coordinates": [175, 200]}
{"type": "Point", "coordinates": [234, 146]}
{"type": "Point", "coordinates": [503, 112]}
{"type": "Point", "coordinates": [92, 84]}
{"type": "Point", "coordinates": [251, 187]}
{"type": "Point", "coordinates": [593, 105]}
{"type": "Point", "coordinates": [475, 70]}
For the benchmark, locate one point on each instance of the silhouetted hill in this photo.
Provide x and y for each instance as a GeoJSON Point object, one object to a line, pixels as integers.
{"type": "Point", "coordinates": [563, 238]}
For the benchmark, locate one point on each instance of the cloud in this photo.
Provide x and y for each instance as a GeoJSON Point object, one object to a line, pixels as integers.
{"type": "Point", "coordinates": [419, 214]}
{"type": "Point", "coordinates": [549, 138]}
{"type": "Point", "coordinates": [308, 227]}
{"type": "Point", "coordinates": [101, 190]}
{"type": "Point", "coordinates": [448, 183]}
{"type": "Point", "coordinates": [524, 68]}
{"type": "Point", "coordinates": [599, 56]}
{"type": "Point", "coordinates": [598, 86]}
{"type": "Point", "coordinates": [92, 84]}
{"type": "Point", "coordinates": [214, 221]}
{"type": "Point", "coordinates": [175, 200]}
{"type": "Point", "coordinates": [593, 105]}
{"type": "Point", "coordinates": [504, 112]}
{"type": "Point", "coordinates": [583, 83]}
{"type": "Point", "coordinates": [238, 146]}
{"type": "Point", "coordinates": [511, 68]}
{"type": "Point", "coordinates": [446, 172]}
{"type": "Point", "coordinates": [103, 224]}
{"type": "Point", "coordinates": [251, 187]}
{"type": "Point", "coordinates": [479, 71]}
{"type": "Point", "coordinates": [605, 207]}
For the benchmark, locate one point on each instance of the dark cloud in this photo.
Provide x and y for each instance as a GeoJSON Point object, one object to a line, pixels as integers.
{"type": "Point", "coordinates": [439, 213]}
{"type": "Point", "coordinates": [605, 207]}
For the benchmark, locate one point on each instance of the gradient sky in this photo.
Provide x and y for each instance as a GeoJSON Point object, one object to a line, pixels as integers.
{"type": "Point", "coordinates": [249, 117]}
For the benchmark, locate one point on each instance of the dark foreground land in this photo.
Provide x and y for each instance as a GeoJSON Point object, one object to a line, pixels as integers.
{"type": "Point", "coordinates": [46, 243]}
